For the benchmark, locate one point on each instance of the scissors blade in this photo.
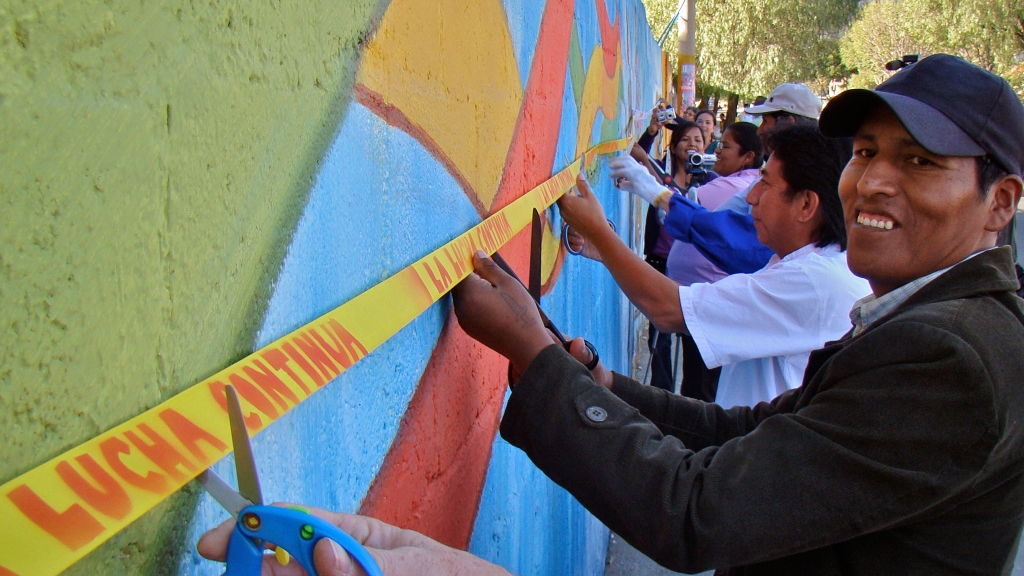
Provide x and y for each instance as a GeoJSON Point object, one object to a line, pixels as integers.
{"type": "Point", "coordinates": [544, 317]}
{"type": "Point", "coordinates": [224, 494]}
{"type": "Point", "coordinates": [245, 464]}
{"type": "Point", "coordinates": [536, 249]}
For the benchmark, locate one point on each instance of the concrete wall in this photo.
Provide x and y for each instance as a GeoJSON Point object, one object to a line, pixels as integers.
{"type": "Point", "coordinates": [181, 182]}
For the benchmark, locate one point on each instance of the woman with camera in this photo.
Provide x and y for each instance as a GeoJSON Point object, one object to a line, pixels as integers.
{"type": "Point", "coordinates": [736, 166]}
{"type": "Point", "coordinates": [737, 163]}
{"type": "Point", "coordinates": [686, 140]}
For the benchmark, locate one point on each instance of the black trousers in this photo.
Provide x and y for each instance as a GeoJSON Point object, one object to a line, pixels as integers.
{"type": "Point", "coordinates": [699, 382]}
{"type": "Point", "coordinates": [660, 345]}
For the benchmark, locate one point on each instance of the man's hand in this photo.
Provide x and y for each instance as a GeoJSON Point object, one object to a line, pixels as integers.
{"type": "Point", "coordinates": [497, 311]}
{"type": "Point", "coordinates": [397, 552]}
{"type": "Point", "coordinates": [584, 213]}
{"type": "Point", "coordinates": [579, 245]}
{"type": "Point", "coordinates": [631, 176]}
{"type": "Point", "coordinates": [579, 351]}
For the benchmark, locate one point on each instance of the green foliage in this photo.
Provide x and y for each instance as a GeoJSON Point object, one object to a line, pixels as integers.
{"type": "Point", "coordinates": [659, 13]}
{"type": "Point", "coordinates": [750, 46]}
{"type": "Point", "coordinates": [747, 47]}
{"type": "Point", "coordinates": [989, 33]}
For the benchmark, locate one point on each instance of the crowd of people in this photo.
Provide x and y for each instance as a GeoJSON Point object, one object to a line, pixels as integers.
{"type": "Point", "coordinates": [852, 396]}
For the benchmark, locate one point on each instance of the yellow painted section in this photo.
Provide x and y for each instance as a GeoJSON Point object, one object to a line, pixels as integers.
{"type": "Point", "coordinates": [550, 244]}
{"type": "Point", "coordinates": [460, 83]}
{"type": "Point", "coordinates": [600, 92]}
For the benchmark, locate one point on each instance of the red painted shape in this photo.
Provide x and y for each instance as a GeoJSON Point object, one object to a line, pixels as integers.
{"type": "Point", "coordinates": [532, 153]}
{"type": "Point", "coordinates": [609, 37]}
{"type": "Point", "coordinates": [434, 473]}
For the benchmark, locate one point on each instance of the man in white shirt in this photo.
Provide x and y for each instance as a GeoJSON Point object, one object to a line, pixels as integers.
{"type": "Point", "coordinates": [759, 327]}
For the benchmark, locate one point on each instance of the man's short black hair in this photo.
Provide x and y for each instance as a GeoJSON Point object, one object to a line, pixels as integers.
{"type": "Point", "coordinates": [988, 172]}
{"type": "Point", "coordinates": [810, 161]}
{"type": "Point", "coordinates": [797, 119]}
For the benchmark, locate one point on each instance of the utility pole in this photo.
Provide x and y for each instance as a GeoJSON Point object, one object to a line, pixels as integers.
{"type": "Point", "coordinates": [686, 69]}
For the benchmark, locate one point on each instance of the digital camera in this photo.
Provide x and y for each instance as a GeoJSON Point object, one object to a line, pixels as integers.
{"type": "Point", "coordinates": [697, 163]}
{"type": "Point", "coordinates": [666, 115]}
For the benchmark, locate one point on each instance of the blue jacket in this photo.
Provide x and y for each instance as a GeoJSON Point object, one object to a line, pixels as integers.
{"type": "Point", "coordinates": [726, 238]}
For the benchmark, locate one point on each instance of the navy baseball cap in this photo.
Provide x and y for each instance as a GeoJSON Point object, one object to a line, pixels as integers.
{"type": "Point", "coordinates": [950, 106]}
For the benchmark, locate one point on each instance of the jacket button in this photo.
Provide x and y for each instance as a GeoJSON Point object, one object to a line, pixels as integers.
{"type": "Point", "coordinates": [597, 414]}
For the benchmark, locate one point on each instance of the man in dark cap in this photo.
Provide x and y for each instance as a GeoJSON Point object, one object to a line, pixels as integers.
{"type": "Point", "coordinates": [903, 450]}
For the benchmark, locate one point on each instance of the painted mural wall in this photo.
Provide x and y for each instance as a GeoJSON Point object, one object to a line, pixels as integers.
{"type": "Point", "coordinates": [184, 182]}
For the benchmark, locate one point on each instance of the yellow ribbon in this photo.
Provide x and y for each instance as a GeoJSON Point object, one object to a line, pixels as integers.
{"type": "Point", "coordinates": [58, 512]}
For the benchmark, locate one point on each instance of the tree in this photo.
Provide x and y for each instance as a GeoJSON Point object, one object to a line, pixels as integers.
{"type": "Point", "coordinates": [747, 47]}
{"type": "Point", "coordinates": [659, 13]}
{"type": "Point", "coordinates": [750, 46]}
{"type": "Point", "coordinates": [989, 33]}
{"type": "Point", "coordinates": [881, 32]}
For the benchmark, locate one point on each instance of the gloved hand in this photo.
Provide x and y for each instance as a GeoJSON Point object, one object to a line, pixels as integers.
{"type": "Point", "coordinates": [637, 179]}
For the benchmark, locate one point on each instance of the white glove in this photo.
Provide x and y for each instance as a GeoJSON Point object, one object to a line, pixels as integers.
{"type": "Point", "coordinates": [637, 179]}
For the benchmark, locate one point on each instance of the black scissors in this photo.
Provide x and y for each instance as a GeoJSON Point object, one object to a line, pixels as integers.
{"type": "Point", "coordinates": [547, 321]}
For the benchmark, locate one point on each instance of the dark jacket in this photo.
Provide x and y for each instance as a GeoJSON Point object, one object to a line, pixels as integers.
{"type": "Point", "coordinates": [901, 453]}
{"type": "Point", "coordinates": [727, 239]}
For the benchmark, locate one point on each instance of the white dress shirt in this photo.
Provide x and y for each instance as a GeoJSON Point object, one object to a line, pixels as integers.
{"type": "Point", "coordinates": [761, 327]}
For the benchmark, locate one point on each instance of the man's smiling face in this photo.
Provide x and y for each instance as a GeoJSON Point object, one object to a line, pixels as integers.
{"type": "Point", "coordinates": [908, 212]}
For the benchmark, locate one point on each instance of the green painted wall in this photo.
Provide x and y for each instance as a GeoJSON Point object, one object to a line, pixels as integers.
{"type": "Point", "coordinates": [154, 159]}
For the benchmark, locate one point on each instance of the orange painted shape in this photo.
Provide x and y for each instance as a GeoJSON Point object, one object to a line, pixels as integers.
{"type": "Point", "coordinates": [433, 475]}
{"type": "Point", "coordinates": [395, 117]}
{"type": "Point", "coordinates": [609, 37]}
{"type": "Point", "coordinates": [533, 147]}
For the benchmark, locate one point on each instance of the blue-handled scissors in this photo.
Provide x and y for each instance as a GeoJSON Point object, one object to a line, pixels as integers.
{"type": "Point", "coordinates": [294, 531]}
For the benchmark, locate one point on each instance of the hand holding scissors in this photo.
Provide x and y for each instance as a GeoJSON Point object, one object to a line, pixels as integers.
{"type": "Point", "coordinates": [293, 531]}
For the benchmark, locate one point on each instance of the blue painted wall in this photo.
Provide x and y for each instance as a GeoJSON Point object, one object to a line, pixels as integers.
{"type": "Point", "coordinates": [379, 202]}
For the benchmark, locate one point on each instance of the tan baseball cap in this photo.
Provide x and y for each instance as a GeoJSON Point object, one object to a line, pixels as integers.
{"type": "Point", "coordinates": [790, 98]}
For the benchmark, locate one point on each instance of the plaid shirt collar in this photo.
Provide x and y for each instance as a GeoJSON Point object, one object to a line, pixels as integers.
{"type": "Point", "coordinates": [869, 309]}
